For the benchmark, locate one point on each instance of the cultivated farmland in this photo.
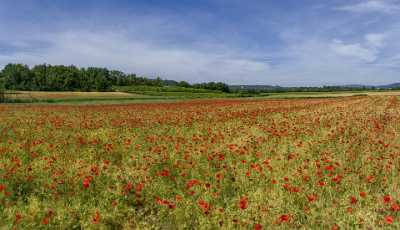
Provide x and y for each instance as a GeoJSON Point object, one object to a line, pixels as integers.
{"type": "Point", "coordinates": [210, 164]}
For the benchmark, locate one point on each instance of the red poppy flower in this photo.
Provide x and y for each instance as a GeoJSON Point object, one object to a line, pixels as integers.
{"type": "Point", "coordinates": [192, 183]}
{"type": "Point", "coordinates": [284, 218]}
{"type": "Point", "coordinates": [204, 206]}
{"type": "Point", "coordinates": [387, 199]}
{"type": "Point", "coordinates": [96, 218]}
{"type": "Point", "coordinates": [363, 194]}
{"type": "Point", "coordinates": [219, 176]}
{"type": "Point", "coordinates": [329, 168]}
{"type": "Point", "coordinates": [311, 197]}
{"type": "Point", "coordinates": [139, 187]}
{"type": "Point", "coordinates": [335, 227]}
{"type": "Point", "coordinates": [294, 189]}
{"type": "Point", "coordinates": [163, 173]}
{"type": "Point", "coordinates": [45, 221]}
{"type": "Point", "coordinates": [353, 200]}
{"type": "Point", "coordinates": [18, 217]}
{"type": "Point", "coordinates": [337, 179]}
{"type": "Point", "coordinates": [389, 219]}
{"type": "Point", "coordinates": [395, 207]}
{"type": "Point", "coordinates": [86, 182]}
{"type": "Point", "coordinates": [2, 187]}
{"type": "Point", "coordinates": [128, 188]}
{"type": "Point", "coordinates": [349, 210]}
{"type": "Point", "coordinates": [243, 203]}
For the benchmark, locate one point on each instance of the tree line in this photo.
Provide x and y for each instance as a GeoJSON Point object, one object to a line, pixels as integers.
{"type": "Point", "coordinates": [47, 77]}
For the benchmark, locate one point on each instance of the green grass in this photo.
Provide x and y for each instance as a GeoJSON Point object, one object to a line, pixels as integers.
{"type": "Point", "coordinates": [141, 94]}
{"type": "Point", "coordinates": [144, 88]}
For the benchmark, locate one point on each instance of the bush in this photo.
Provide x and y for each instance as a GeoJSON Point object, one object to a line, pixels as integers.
{"type": "Point", "coordinates": [2, 90]}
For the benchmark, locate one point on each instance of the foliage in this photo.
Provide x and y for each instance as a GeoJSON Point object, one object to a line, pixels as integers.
{"type": "Point", "coordinates": [213, 86]}
{"type": "Point", "coordinates": [70, 78]}
{"type": "Point", "coordinates": [2, 90]}
{"type": "Point", "coordinates": [211, 164]}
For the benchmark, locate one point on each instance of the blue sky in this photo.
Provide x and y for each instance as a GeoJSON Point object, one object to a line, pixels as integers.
{"type": "Point", "coordinates": [286, 42]}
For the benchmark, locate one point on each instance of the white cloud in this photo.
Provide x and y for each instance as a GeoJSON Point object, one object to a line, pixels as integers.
{"type": "Point", "coordinates": [383, 6]}
{"type": "Point", "coordinates": [115, 50]}
{"type": "Point", "coordinates": [355, 50]}
{"type": "Point", "coordinates": [306, 61]}
{"type": "Point", "coordinates": [375, 40]}
{"type": "Point", "coordinates": [365, 51]}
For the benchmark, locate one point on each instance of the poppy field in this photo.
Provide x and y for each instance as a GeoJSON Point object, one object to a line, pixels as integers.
{"type": "Point", "coordinates": [330, 163]}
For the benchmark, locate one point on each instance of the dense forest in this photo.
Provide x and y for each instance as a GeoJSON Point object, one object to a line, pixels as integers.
{"type": "Point", "coordinates": [71, 78]}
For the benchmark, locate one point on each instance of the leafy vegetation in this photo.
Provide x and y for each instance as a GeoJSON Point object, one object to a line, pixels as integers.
{"type": "Point", "coordinates": [70, 78]}
{"type": "Point", "coordinates": [2, 90]}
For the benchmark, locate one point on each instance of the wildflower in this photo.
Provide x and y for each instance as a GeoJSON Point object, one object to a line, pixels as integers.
{"type": "Point", "coordinates": [389, 219]}
{"type": "Point", "coordinates": [337, 179]}
{"type": "Point", "coordinates": [45, 221]}
{"type": "Point", "coordinates": [243, 203]}
{"type": "Point", "coordinates": [192, 183]}
{"type": "Point", "coordinates": [86, 182]}
{"type": "Point", "coordinates": [329, 168]}
{"type": "Point", "coordinates": [178, 198]}
{"type": "Point", "coordinates": [257, 227]}
{"type": "Point", "coordinates": [18, 217]}
{"type": "Point", "coordinates": [2, 187]}
{"type": "Point", "coordinates": [387, 199]}
{"type": "Point", "coordinates": [311, 198]}
{"type": "Point", "coordinates": [164, 173]}
{"type": "Point", "coordinates": [286, 186]}
{"type": "Point", "coordinates": [294, 189]}
{"type": "Point", "coordinates": [363, 194]}
{"type": "Point", "coordinates": [161, 201]}
{"type": "Point", "coordinates": [167, 203]}
{"type": "Point", "coordinates": [219, 176]}
{"type": "Point", "coordinates": [284, 218]}
{"type": "Point", "coordinates": [96, 218]}
{"type": "Point", "coordinates": [321, 183]}
{"type": "Point", "coordinates": [204, 206]}
{"type": "Point", "coordinates": [128, 188]}
{"type": "Point", "coordinates": [139, 187]}
{"type": "Point", "coordinates": [395, 207]}
{"type": "Point", "coordinates": [353, 200]}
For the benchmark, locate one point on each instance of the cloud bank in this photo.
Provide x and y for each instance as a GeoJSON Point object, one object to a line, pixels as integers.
{"type": "Point", "coordinates": [349, 44]}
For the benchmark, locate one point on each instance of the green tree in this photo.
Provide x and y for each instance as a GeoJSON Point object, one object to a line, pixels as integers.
{"type": "Point", "coordinates": [17, 77]}
{"type": "Point", "coordinates": [2, 89]}
{"type": "Point", "coordinates": [99, 78]}
{"type": "Point", "coordinates": [184, 84]}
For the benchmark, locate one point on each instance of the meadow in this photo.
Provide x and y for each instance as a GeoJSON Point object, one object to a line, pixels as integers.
{"type": "Point", "coordinates": [145, 94]}
{"type": "Point", "coordinates": [316, 163]}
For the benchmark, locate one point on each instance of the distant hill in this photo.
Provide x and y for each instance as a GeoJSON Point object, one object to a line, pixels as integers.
{"type": "Point", "coordinates": [253, 87]}
{"type": "Point", "coordinates": [390, 86]}
{"type": "Point", "coordinates": [277, 88]}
